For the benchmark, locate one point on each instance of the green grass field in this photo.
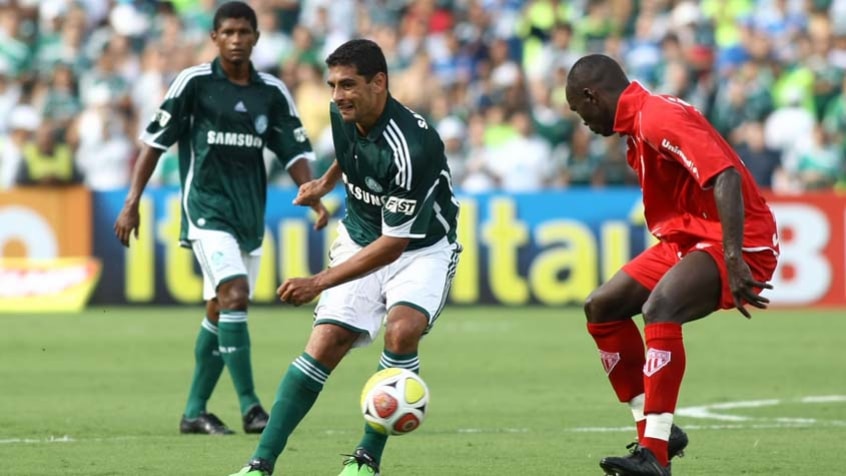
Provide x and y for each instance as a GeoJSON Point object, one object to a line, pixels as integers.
{"type": "Point", "coordinates": [514, 391]}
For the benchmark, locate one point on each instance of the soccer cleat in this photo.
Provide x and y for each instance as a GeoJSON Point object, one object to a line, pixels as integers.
{"type": "Point", "coordinates": [675, 445]}
{"type": "Point", "coordinates": [360, 463]}
{"type": "Point", "coordinates": [206, 423]}
{"type": "Point", "coordinates": [256, 467]}
{"type": "Point", "coordinates": [641, 462]}
{"type": "Point", "coordinates": [677, 442]}
{"type": "Point", "coordinates": [255, 420]}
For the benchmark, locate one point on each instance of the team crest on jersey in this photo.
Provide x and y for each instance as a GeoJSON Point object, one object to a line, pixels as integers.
{"type": "Point", "coordinates": [655, 361]}
{"type": "Point", "coordinates": [261, 124]}
{"type": "Point", "coordinates": [609, 360]}
{"type": "Point", "coordinates": [372, 184]}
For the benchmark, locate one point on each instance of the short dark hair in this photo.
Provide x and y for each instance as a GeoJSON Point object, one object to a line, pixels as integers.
{"type": "Point", "coordinates": [235, 10]}
{"type": "Point", "coordinates": [365, 55]}
{"type": "Point", "coordinates": [598, 71]}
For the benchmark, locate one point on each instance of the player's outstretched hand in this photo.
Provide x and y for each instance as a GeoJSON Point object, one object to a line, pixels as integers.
{"type": "Point", "coordinates": [744, 288]}
{"type": "Point", "coordinates": [126, 224]}
{"type": "Point", "coordinates": [322, 216]}
{"type": "Point", "coordinates": [310, 193]}
{"type": "Point", "coordinates": [298, 291]}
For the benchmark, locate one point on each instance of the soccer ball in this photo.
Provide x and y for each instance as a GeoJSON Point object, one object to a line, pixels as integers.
{"type": "Point", "coordinates": [394, 401]}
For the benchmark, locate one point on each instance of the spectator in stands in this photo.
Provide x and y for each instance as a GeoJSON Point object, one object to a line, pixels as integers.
{"type": "Point", "coordinates": [763, 163]}
{"type": "Point", "coordinates": [776, 62]}
{"type": "Point", "coordinates": [22, 123]}
{"type": "Point", "coordinates": [452, 132]}
{"type": "Point", "coordinates": [47, 160]}
{"type": "Point", "coordinates": [819, 162]}
{"type": "Point", "coordinates": [522, 163]}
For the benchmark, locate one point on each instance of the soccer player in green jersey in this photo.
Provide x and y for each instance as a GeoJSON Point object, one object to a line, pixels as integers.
{"type": "Point", "coordinates": [222, 115]}
{"type": "Point", "coordinates": [395, 255]}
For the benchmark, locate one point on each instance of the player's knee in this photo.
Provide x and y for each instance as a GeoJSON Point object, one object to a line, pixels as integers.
{"type": "Point", "coordinates": [597, 306]}
{"type": "Point", "coordinates": [403, 335]}
{"type": "Point", "coordinates": [233, 295]}
{"type": "Point", "coordinates": [657, 308]}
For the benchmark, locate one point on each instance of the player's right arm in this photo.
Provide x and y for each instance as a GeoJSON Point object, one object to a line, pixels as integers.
{"type": "Point", "coordinates": [170, 122]}
{"type": "Point", "coordinates": [127, 220]}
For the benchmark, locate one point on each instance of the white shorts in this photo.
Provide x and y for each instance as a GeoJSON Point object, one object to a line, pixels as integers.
{"type": "Point", "coordinates": [221, 260]}
{"type": "Point", "coordinates": [419, 279]}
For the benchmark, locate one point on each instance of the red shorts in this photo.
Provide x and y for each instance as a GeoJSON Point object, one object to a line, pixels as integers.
{"type": "Point", "coordinates": [650, 266]}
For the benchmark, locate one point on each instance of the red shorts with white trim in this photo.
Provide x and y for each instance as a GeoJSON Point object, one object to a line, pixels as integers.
{"type": "Point", "coordinates": [650, 266]}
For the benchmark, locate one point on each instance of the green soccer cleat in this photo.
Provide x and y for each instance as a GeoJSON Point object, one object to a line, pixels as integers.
{"type": "Point", "coordinates": [256, 467]}
{"type": "Point", "coordinates": [360, 463]}
{"type": "Point", "coordinates": [247, 471]}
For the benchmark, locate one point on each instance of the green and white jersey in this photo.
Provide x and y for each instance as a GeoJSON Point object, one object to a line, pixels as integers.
{"type": "Point", "coordinates": [397, 179]}
{"type": "Point", "coordinates": [222, 129]}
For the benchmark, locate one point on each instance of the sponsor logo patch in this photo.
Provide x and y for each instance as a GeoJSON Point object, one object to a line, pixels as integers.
{"type": "Point", "coordinates": [161, 117]}
{"type": "Point", "coordinates": [236, 139]}
{"type": "Point", "coordinates": [401, 205]}
{"type": "Point", "coordinates": [300, 134]}
{"type": "Point", "coordinates": [665, 143]}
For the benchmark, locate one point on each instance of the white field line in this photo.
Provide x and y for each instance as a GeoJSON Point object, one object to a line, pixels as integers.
{"type": "Point", "coordinates": [51, 439]}
{"type": "Point", "coordinates": [68, 439]}
{"type": "Point", "coordinates": [708, 412]}
{"type": "Point", "coordinates": [713, 411]}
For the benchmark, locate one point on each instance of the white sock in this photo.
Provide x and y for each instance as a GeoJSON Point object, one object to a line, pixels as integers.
{"type": "Point", "coordinates": [658, 426]}
{"type": "Point", "coordinates": [636, 405]}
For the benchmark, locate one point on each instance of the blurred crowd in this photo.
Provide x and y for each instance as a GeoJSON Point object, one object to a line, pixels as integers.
{"type": "Point", "coordinates": [79, 79]}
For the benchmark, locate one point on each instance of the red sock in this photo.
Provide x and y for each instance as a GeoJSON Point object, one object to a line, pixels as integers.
{"type": "Point", "coordinates": [662, 375]}
{"type": "Point", "coordinates": [641, 427]}
{"type": "Point", "coordinates": [621, 350]}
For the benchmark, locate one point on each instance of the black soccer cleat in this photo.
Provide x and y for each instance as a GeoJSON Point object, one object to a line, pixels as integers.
{"type": "Point", "coordinates": [360, 463]}
{"type": "Point", "coordinates": [641, 462]}
{"type": "Point", "coordinates": [255, 420]}
{"type": "Point", "coordinates": [206, 423]}
{"type": "Point", "coordinates": [677, 443]}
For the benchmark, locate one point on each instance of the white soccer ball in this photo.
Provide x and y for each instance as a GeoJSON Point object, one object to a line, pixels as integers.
{"type": "Point", "coordinates": [394, 401]}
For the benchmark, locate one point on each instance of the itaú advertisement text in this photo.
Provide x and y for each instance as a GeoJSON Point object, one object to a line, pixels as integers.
{"type": "Point", "coordinates": [550, 248]}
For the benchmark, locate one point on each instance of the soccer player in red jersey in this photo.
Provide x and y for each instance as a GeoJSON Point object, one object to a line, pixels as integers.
{"type": "Point", "coordinates": [717, 249]}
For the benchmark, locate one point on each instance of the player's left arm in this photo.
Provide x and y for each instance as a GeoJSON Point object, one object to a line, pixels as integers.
{"type": "Point", "coordinates": [679, 132]}
{"type": "Point", "coordinates": [729, 197]}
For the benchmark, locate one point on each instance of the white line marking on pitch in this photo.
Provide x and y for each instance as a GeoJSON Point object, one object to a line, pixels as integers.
{"type": "Point", "coordinates": [711, 412]}
{"type": "Point", "coordinates": [52, 439]}
{"type": "Point", "coordinates": [700, 411]}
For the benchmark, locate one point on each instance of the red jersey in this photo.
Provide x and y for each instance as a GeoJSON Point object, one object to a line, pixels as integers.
{"type": "Point", "coordinates": [676, 153]}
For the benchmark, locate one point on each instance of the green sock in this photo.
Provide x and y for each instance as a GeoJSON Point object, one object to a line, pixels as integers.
{"type": "Point", "coordinates": [207, 369]}
{"type": "Point", "coordinates": [373, 441]}
{"type": "Point", "coordinates": [234, 341]}
{"type": "Point", "coordinates": [297, 392]}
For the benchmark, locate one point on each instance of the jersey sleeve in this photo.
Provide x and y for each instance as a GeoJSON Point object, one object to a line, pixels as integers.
{"type": "Point", "coordinates": [173, 118]}
{"type": "Point", "coordinates": [679, 132]}
{"type": "Point", "coordinates": [286, 136]}
{"type": "Point", "coordinates": [410, 205]}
